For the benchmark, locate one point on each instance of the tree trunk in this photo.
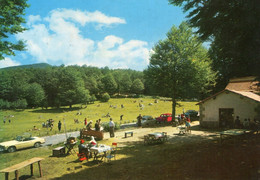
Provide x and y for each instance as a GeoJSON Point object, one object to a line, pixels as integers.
{"type": "Point", "coordinates": [173, 109]}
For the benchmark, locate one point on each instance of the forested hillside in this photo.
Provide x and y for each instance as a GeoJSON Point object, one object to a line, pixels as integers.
{"type": "Point", "coordinates": [38, 86]}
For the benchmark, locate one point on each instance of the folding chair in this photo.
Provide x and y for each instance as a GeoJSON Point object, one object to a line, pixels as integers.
{"type": "Point", "coordinates": [112, 153]}
{"type": "Point", "coordinates": [82, 156]}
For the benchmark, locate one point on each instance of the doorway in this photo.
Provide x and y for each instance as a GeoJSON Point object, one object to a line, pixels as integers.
{"type": "Point", "coordinates": [226, 117]}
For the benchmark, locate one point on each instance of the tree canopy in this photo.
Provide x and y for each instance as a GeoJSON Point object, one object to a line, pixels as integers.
{"type": "Point", "coordinates": [179, 67]}
{"type": "Point", "coordinates": [11, 13]}
{"type": "Point", "coordinates": [233, 28]}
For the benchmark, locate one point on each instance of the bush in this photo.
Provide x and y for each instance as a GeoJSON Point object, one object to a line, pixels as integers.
{"type": "Point", "coordinates": [106, 126]}
{"type": "Point", "coordinates": [105, 97]}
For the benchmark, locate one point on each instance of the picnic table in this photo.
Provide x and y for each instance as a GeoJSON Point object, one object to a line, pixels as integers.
{"type": "Point", "coordinates": [157, 137]}
{"type": "Point", "coordinates": [16, 167]}
{"type": "Point", "coordinates": [100, 151]}
{"type": "Point", "coordinates": [234, 133]}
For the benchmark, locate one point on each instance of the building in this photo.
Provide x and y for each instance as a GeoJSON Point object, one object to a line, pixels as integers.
{"type": "Point", "coordinates": [240, 98]}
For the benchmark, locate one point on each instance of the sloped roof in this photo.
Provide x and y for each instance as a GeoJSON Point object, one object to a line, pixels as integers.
{"type": "Point", "coordinates": [244, 84]}
{"type": "Point", "coordinates": [246, 94]}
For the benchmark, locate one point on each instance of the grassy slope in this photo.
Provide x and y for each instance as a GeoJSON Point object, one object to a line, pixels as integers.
{"type": "Point", "coordinates": [23, 121]}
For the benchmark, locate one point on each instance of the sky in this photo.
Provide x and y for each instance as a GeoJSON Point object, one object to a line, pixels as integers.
{"type": "Point", "coordinates": [113, 33]}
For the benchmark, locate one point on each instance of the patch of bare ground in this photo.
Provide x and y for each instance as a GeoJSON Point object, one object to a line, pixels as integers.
{"type": "Point", "coordinates": [198, 155]}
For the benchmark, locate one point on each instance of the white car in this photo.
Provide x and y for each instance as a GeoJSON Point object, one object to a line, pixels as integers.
{"type": "Point", "coordinates": [147, 120]}
{"type": "Point", "coordinates": [21, 142]}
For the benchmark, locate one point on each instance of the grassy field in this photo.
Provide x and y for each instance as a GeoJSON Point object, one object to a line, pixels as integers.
{"type": "Point", "coordinates": [24, 120]}
{"type": "Point", "coordinates": [183, 157]}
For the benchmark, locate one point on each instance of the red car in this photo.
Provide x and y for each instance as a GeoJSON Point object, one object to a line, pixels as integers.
{"type": "Point", "coordinates": [167, 117]}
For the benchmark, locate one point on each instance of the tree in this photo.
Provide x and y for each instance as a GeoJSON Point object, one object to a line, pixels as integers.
{"type": "Point", "coordinates": [233, 27]}
{"type": "Point", "coordinates": [110, 85]}
{"type": "Point", "coordinates": [35, 95]}
{"type": "Point", "coordinates": [179, 67]}
{"type": "Point", "coordinates": [10, 23]}
{"type": "Point", "coordinates": [71, 88]}
{"type": "Point", "coordinates": [137, 86]}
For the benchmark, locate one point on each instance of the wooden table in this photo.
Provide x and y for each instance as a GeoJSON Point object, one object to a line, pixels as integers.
{"type": "Point", "coordinates": [155, 138]}
{"type": "Point", "coordinates": [233, 132]}
{"type": "Point", "coordinates": [99, 150]}
{"type": "Point", "coordinates": [16, 167]}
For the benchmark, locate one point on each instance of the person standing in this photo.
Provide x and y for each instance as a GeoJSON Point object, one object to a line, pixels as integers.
{"type": "Point", "coordinates": [139, 119]}
{"type": "Point", "coordinates": [97, 128]}
{"type": "Point", "coordinates": [111, 128]}
{"type": "Point", "coordinates": [85, 122]}
{"type": "Point", "coordinates": [59, 126]}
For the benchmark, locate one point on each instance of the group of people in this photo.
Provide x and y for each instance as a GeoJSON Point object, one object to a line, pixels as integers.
{"type": "Point", "coordinates": [182, 119]}
{"type": "Point", "coordinates": [247, 124]}
{"type": "Point", "coordinates": [98, 126]}
{"type": "Point", "coordinates": [85, 148]}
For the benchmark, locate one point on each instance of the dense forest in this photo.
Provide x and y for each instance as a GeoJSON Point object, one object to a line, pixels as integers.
{"type": "Point", "coordinates": [51, 86]}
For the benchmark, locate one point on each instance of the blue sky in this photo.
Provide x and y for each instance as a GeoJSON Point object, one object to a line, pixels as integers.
{"type": "Point", "coordinates": [113, 33]}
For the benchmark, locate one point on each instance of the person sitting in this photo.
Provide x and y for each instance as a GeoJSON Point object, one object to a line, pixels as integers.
{"type": "Point", "coordinates": [92, 142]}
{"type": "Point", "coordinates": [89, 125]}
{"type": "Point", "coordinates": [82, 147]}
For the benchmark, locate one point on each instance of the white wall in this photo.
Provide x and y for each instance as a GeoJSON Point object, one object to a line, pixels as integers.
{"type": "Point", "coordinates": [243, 107]}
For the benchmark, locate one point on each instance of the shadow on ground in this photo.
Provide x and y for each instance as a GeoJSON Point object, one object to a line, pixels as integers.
{"type": "Point", "coordinates": [182, 157]}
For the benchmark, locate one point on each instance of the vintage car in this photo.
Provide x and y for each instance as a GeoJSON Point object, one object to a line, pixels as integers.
{"type": "Point", "coordinates": [147, 120]}
{"type": "Point", "coordinates": [194, 115]}
{"type": "Point", "coordinates": [167, 117]}
{"type": "Point", "coordinates": [21, 142]}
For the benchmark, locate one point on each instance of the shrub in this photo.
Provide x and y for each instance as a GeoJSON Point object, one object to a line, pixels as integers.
{"type": "Point", "coordinates": [106, 126]}
{"type": "Point", "coordinates": [105, 97]}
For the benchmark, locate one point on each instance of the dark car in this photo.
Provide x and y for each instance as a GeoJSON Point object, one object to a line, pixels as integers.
{"type": "Point", "coordinates": [192, 114]}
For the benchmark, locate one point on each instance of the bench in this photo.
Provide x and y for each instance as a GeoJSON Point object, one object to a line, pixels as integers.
{"type": "Point", "coordinates": [129, 132]}
{"type": "Point", "coordinates": [58, 151]}
{"type": "Point", "coordinates": [16, 167]}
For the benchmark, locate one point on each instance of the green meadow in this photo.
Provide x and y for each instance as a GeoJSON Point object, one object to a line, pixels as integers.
{"type": "Point", "coordinates": [24, 120]}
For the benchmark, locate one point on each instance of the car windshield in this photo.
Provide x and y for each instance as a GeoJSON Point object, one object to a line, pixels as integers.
{"type": "Point", "coordinates": [19, 138]}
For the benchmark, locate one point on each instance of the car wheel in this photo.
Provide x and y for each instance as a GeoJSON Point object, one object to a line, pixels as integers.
{"type": "Point", "coordinates": [11, 149]}
{"type": "Point", "coordinates": [36, 145]}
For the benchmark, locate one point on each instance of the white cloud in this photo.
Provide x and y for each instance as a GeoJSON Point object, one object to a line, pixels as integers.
{"type": "Point", "coordinates": [32, 19]}
{"type": "Point", "coordinates": [57, 39]}
{"type": "Point", "coordinates": [7, 62]}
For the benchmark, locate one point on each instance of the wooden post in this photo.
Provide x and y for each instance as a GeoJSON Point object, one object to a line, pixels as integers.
{"type": "Point", "coordinates": [31, 169]}
{"type": "Point", "coordinates": [6, 175]}
{"type": "Point", "coordinates": [40, 169]}
{"type": "Point", "coordinates": [16, 175]}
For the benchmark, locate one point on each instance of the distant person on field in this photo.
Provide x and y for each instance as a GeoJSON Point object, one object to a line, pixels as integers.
{"type": "Point", "coordinates": [111, 128]}
{"type": "Point", "coordinates": [59, 125]}
{"type": "Point", "coordinates": [121, 117]}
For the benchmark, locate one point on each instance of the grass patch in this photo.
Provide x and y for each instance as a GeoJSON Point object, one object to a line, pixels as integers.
{"type": "Point", "coordinates": [24, 121]}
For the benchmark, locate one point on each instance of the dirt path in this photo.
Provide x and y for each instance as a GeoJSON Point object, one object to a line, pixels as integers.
{"type": "Point", "coordinates": [172, 132]}
{"type": "Point", "coordinates": [138, 134]}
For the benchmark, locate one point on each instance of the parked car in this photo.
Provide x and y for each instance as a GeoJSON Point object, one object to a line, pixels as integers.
{"type": "Point", "coordinates": [192, 113]}
{"type": "Point", "coordinates": [21, 142]}
{"type": "Point", "coordinates": [167, 117]}
{"type": "Point", "coordinates": [147, 120]}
